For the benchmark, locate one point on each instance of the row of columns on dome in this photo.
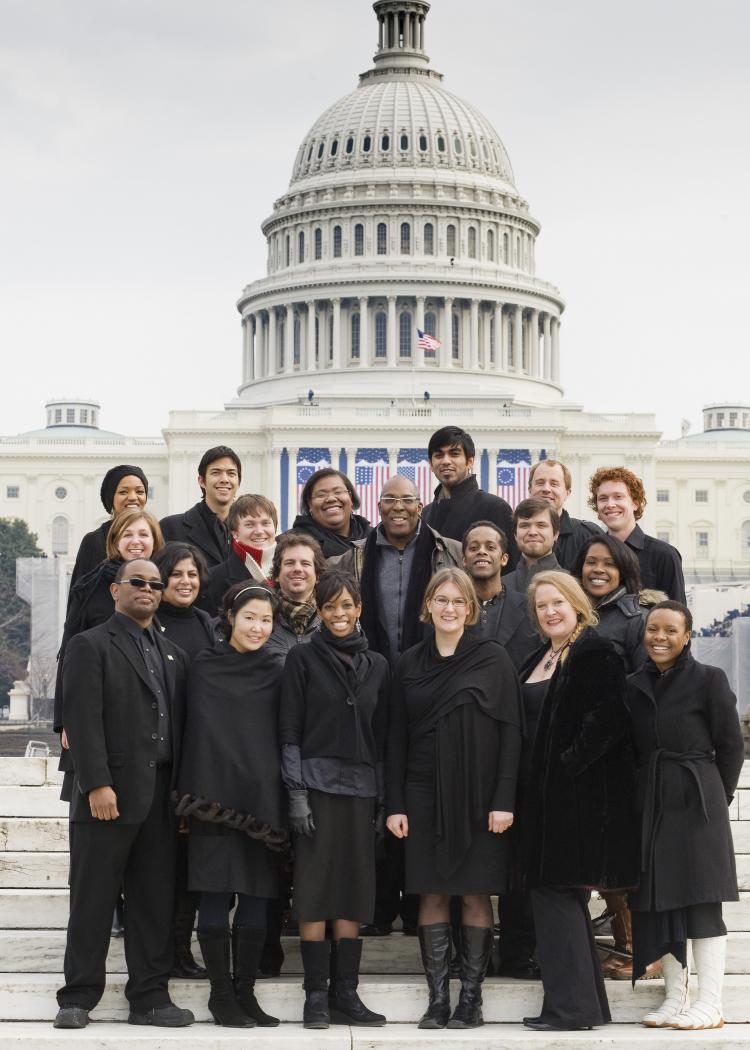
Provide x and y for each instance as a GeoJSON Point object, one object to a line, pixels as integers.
{"type": "Point", "coordinates": [401, 30]}
{"type": "Point", "coordinates": [318, 334]}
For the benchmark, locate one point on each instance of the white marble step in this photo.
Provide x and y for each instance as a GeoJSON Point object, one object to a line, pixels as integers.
{"type": "Point", "coordinates": [202, 1036]}
{"type": "Point", "coordinates": [32, 802]}
{"type": "Point", "coordinates": [34, 834]}
{"type": "Point", "coordinates": [29, 772]}
{"type": "Point", "coordinates": [31, 997]}
{"type": "Point", "coordinates": [33, 870]}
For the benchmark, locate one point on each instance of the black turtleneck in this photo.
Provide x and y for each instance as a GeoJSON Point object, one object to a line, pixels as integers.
{"type": "Point", "coordinates": [191, 628]}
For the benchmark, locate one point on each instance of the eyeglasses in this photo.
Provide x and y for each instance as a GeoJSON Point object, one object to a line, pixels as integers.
{"type": "Point", "coordinates": [443, 603]}
{"type": "Point", "coordinates": [136, 581]}
{"type": "Point", "coordinates": [319, 497]}
{"type": "Point", "coordinates": [392, 501]}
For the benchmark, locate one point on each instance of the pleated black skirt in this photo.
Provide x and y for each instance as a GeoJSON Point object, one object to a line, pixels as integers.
{"type": "Point", "coordinates": [484, 869]}
{"type": "Point", "coordinates": [334, 871]}
{"type": "Point", "coordinates": [221, 860]}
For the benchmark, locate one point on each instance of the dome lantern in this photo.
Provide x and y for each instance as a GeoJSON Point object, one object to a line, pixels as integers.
{"type": "Point", "coordinates": [400, 34]}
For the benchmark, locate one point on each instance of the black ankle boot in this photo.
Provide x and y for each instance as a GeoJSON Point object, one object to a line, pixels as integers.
{"type": "Point", "coordinates": [476, 945]}
{"type": "Point", "coordinates": [247, 948]}
{"type": "Point", "coordinates": [316, 960]}
{"type": "Point", "coordinates": [435, 943]}
{"type": "Point", "coordinates": [344, 1004]}
{"type": "Point", "coordinates": [225, 1009]}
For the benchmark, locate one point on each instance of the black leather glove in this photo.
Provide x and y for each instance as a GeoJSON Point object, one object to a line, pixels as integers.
{"type": "Point", "coordinates": [300, 814]}
{"type": "Point", "coordinates": [380, 822]}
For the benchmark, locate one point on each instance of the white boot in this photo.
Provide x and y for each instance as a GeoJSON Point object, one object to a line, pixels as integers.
{"type": "Point", "coordinates": [709, 955]}
{"type": "Point", "coordinates": [676, 995]}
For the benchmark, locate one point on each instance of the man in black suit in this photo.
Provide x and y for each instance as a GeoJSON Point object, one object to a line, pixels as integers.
{"type": "Point", "coordinates": [124, 694]}
{"type": "Point", "coordinates": [503, 614]}
{"type": "Point", "coordinates": [551, 480]}
{"type": "Point", "coordinates": [204, 525]}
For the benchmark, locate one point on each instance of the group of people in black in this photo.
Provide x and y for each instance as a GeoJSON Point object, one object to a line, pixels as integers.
{"type": "Point", "coordinates": [398, 722]}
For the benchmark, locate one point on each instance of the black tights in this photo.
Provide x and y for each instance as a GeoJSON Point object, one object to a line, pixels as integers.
{"type": "Point", "coordinates": [476, 909]}
{"type": "Point", "coordinates": [214, 909]}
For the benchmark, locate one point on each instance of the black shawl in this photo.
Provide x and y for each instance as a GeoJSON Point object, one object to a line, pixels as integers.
{"type": "Point", "coordinates": [472, 777]}
{"type": "Point", "coordinates": [331, 543]}
{"type": "Point", "coordinates": [230, 769]}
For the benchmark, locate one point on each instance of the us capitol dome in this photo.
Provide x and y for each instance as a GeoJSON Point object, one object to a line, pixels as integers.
{"type": "Point", "coordinates": [401, 215]}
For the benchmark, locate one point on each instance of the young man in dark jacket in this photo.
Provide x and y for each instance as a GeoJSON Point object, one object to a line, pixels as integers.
{"type": "Point", "coordinates": [551, 480]}
{"type": "Point", "coordinates": [204, 525]}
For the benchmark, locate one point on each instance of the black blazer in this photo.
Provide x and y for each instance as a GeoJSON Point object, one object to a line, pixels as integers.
{"type": "Point", "coordinates": [220, 579]}
{"type": "Point", "coordinates": [508, 623]}
{"type": "Point", "coordinates": [192, 527]}
{"type": "Point", "coordinates": [112, 718]}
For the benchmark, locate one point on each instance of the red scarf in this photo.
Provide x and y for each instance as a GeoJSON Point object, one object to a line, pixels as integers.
{"type": "Point", "coordinates": [244, 552]}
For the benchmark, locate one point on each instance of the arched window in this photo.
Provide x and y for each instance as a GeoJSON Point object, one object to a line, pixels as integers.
{"type": "Point", "coordinates": [337, 242]}
{"type": "Point", "coordinates": [429, 239]}
{"type": "Point", "coordinates": [350, 145]}
{"type": "Point", "coordinates": [472, 245]}
{"type": "Point", "coordinates": [492, 340]}
{"type": "Point", "coordinates": [404, 334]}
{"type": "Point", "coordinates": [330, 337]}
{"type": "Point", "coordinates": [60, 535]}
{"type": "Point", "coordinates": [511, 348]}
{"type": "Point", "coordinates": [440, 142]}
{"type": "Point", "coordinates": [505, 247]}
{"type": "Point", "coordinates": [405, 238]}
{"type": "Point", "coordinates": [367, 144]}
{"type": "Point", "coordinates": [355, 335]}
{"type": "Point", "coordinates": [297, 339]}
{"type": "Point", "coordinates": [280, 341]}
{"type": "Point", "coordinates": [473, 147]}
{"type": "Point", "coordinates": [491, 245]}
{"type": "Point", "coordinates": [745, 540]}
{"type": "Point", "coordinates": [403, 142]}
{"type": "Point", "coordinates": [455, 335]}
{"type": "Point", "coordinates": [458, 145]}
{"type": "Point", "coordinates": [318, 243]}
{"type": "Point", "coordinates": [450, 240]}
{"type": "Point", "coordinates": [422, 143]}
{"type": "Point", "coordinates": [334, 147]}
{"type": "Point", "coordinates": [381, 334]}
{"type": "Point", "coordinates": [430, 323]}
{"type": "Point", "coordinates": [288, 250]}
{"type": "Point", "coordinates": [359, 239]}
{"type": "Point", "coordinates": [317, 339]}
{"type": "Point", "coordinates": [385, 142]}
{"type": "Point", "coordinates": [382, 239]}
{"type": "Point", "coordinates": [321, 148]}
{"type": "Point", "coordinates": [301, 247]}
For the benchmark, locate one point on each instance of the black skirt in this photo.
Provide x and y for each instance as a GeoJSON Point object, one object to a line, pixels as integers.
{"type": "Point", "coordinates": [659, 933]}
{"type": "Point", "coordinates": [221, 860]}
{"type": "Point", "coordinates": [334, 871]}
{"type": "Point", "coordinates": [484, 869]}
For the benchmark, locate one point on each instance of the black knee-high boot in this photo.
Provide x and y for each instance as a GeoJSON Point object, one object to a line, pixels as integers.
{"type": "Point", "coordinates": [225, 1009]}
{"type": "Point", "coordinates": [344, 1003]}
{"type": "Point", "coordinates": [247, 948]}
{"type": "Point", "coordinates": [476, 945]}
{"type": "Point", "coordinates": [435, 944]}
{"type": "Point", "coordinates": [316, 960]}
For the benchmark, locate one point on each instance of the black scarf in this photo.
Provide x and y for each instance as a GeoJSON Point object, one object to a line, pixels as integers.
{"type": "Point", "coordinates": [372, 615]}
{"type": "Point", "coordinates": [230, 766]}
{"type": "Point", "coordinates": [332, 543]}
{"type": "Point", "coordinates": [99, 578]}
{"type": "Point", "coordinates": [474, 680]}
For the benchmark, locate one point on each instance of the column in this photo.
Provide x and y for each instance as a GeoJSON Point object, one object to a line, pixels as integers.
{"type": "Point", "coordinates": [272, 354]}
{"type": "Point", "coordinates": [289, 340]}
{"type": "Point", "coordinates": [506, 340]}
{"type": "Point", "coordinates": [518, 338]}
{"type": "Point", "coordinates": [392, 332]}
{"type": "Point", "coordinates": [487, 341]}
{"type": "Point", "coordinates": [336, 355]}
{"type": "Point", "coordinates": [310, 362]}
{"type": "Point", "coordinates": [250, 324]}
{"type": "Point", "coordinates": [418, 351]}
{"type": "Point", "coordinates": [473, 356]}
{"type": "Point", "coordinates": [364, 333]}
{"type": "Point", "coordinates": [292, 484]}
{"type": "Point", "coordinates": [547, 372]}
{"type": "Point", "coordinates": [351, 462]}
{"type": "Point", "coordinates": [260, 346]}
{"type": "Point", "coordinates": [392, 462]}
{"type": "Point", "coordinates": [555, 350]}
{"type": "Point", "coordinates": [500, 352]}
{"type": "Point", "coordinates": [492, 470]}
{"type": "Point", "coordinates": [274, 489]}
{"type": "Point", "coordinates": [446, 351]}
{"type": "Point", "coordinates": [534, 342]}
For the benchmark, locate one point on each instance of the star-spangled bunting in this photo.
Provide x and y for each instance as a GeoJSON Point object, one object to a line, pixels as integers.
{"type": "Point", "coordinates": [308, 461]}
{"type": "Point", "coordinates": [512, 474]}
{"type": "Point", "coordinates": [371, 471]}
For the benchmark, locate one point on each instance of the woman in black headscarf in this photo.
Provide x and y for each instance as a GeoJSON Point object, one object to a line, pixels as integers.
{"type": "Point", "coordinates": [328, 503]}
{"type": "Point", "coordinates": [334, 711]}
{"type": "Point", "coordinates": [454, 743]}
{"type": "Point", "coordinates": [123, 487]}
{"type": "Point", "coordinates": [229, 786]}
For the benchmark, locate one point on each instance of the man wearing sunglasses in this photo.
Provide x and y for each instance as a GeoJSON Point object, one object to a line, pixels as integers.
{"type": "Point", "coordinates": [124, 695]}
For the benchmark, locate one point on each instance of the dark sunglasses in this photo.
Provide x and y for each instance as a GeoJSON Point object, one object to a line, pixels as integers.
{"type": "Point", "coordinates": [136, 581]}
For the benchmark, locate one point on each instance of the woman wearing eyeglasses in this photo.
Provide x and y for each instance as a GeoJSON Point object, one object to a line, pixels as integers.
{"type": "Point", "coordinates": [229, 787]}
{"type": "Point", "coordinates": [454, 744]}
{"type": "Point", "coordinates": [328, 503]}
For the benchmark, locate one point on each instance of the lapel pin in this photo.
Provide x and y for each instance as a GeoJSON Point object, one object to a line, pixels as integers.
{"type": "Point", "coordinates": [170, 657]}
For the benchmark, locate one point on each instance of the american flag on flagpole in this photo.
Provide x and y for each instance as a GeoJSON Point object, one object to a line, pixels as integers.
{"type": "Point", "coordinates": [371, 471]}
{"type": "Point", "coordinates": [512, 474]}
{"type": "Point", "coordinates": [429, 343]}
{"type": "Point", "coordinates": [308, 461]}
{"type": "Point", "coordinates": [414, 465]}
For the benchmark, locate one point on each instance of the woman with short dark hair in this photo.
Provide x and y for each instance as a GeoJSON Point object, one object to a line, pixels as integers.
{"type": "Point", "coordinates": [229, 787]}
{"type": "Point", "coordinates": [689, 751]}
{"type": "Point", "coordinates": [327, 512]}
{"type": "Point", "coordinates": [332, 728]}
{"type": "Point", "coordinates": [454, 741]}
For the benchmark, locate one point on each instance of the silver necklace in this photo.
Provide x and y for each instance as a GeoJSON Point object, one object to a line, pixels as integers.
{"type": "Point", "coordinates": [554, 653]}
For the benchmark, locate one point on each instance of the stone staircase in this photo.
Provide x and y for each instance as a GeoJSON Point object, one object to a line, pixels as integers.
{"type": "Point", "coordinates": [33, 916]}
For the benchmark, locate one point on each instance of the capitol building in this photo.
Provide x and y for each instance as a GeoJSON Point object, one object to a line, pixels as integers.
{"type": "Point", "coordinates": [402, 216]}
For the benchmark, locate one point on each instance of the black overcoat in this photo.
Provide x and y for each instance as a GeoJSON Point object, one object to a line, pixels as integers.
{"type": "Point", "coordinates": [111, 717]}
{"type": "Point", "coordinates": [689, 751]}
{"type": "Point", "coordinates": [579, 826]}
{"type": "Point", "coordinates": [467, 504]}
{"type": "Point", "coordinates": [508, 623]}
{"type": "Point", "coordinates": [92, 551]}
{"type": "Point", "coordinates": [195, 527]}
{"type": "Point", "coordinates": [220, 578]}
{"type": "Point", "coordinates": [573, 534]}
{"type": "Point", "coordinates": [621, 620]}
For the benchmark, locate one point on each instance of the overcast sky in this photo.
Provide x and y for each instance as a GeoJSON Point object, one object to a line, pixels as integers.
{"type": "Point", "coordinates": [142, 142]}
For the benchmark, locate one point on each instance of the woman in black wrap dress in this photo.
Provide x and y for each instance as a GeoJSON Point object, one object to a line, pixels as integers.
{"type": "Point", "coordinates": [454, 743]}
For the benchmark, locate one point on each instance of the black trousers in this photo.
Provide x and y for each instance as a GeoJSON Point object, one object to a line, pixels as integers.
{"type": "Point", "coordinates": [390, 898]}
{"type": "Point", "coordinates": [574, 992]}
{"type": "Point", "coordinates": [105, 855]}
{"type": "Point", "coordinates": [517, 941]}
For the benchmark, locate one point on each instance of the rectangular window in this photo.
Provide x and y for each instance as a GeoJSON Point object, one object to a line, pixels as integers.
{"type": "Point", "coordinates": [58, 415]}
{"type": "Point", "coordinates": [70, 415]}
{"type": "Point", "coordinates": [662, 495]}
{"type": "Point", "coordinates": [701, 544]}
{"type": "Point", "coordinates": [701, 495]}
{"type": "Point", "coordinates": [12, 492]}
{"type": "Point", "coordinates": [84, 415]}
